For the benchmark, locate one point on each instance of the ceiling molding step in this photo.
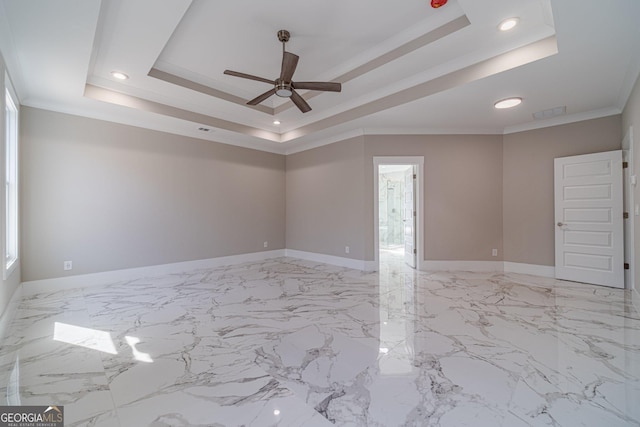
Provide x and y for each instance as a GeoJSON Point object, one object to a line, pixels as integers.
{"type": "Point", "coordinates": [563, 120]}
{"type": "Point", "coordinates": [408, 47]}
{"type": "Point", "coordinates": [497, 64]}
{"type": "Point", "coordinates": [113, 97]}
{"type": "Point", "coordinates": [432, 131]}
{"type": "Point", "coordinates": [219, 136]}
{"type": "Point", "coordinates": [298, 148]}
{"type": "Point", "coordinates": [207, 90]}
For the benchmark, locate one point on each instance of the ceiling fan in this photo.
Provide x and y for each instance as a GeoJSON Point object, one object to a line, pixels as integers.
{"type": "Point", "coordinates": [283, 86]}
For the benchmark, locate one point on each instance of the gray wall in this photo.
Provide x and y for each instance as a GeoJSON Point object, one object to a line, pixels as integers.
{"type": "Point", "coordinates": [325, 199]}
{"type": "Point", "coordinates": [462, 192]}
{"type": "Point", "coordinates": [330, 195]}
{"type": "Point", "coordinates": [109, 196]}
{"type": "Point", "coordinates": [480, 191]}
{"type": "Point", "coordinates": [528, 182]}
{"type": "Point", "coordinates": [9, 286]}
{"type": "Point", "coordinates": [631, 117]}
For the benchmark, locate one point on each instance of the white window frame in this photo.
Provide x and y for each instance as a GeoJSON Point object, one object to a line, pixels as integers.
{"type": "Point", "coordinates": [11, 230]}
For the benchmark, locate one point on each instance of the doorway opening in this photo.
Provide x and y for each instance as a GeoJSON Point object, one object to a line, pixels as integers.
{"type": "Point", "coordinates": [397, 212]}
{"type": "Point", "coordinates": [396, 215]}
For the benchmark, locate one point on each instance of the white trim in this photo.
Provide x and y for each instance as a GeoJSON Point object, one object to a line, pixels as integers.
{"type": "Point", "coordinates": [295, 146]}
{"type": "Point", "coordinates": [562, 120]}
{"type": "Point", "coordinates": [11, 214]}
{"type": "Point", "coordinates": [355, 264]}
{"type": "Point", "coordinates": [85, 280]}
{"type": "Point", "coordinates": [475, 266]}
{"type": "Point", "coordinates": [432, 131]}
{"type": "Point", "coordinates": [9, 312]}
{"type": "Point", "coordinates": [417, 161]}
{"type": "Point", "coordinates": [629, 203]}
{"type": "Point", "coordinates": [530, 269]}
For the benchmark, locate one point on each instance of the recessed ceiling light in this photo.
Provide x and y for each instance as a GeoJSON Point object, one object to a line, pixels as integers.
{"type": "Point", "coordinates": [508, 103]}
{"type": "Point", "coordinates": [276, 122]}
{"type": "Point", "coordinates": [119, 75]}
{"type": "Point", "coordinates": [508, 24]}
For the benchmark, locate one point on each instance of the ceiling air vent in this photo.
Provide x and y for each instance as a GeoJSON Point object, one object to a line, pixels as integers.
{"type": "Point", "coordinates": [551, 112]}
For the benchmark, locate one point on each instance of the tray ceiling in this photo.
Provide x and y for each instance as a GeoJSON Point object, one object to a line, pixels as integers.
{"type": "Point", "coordinates": [404, 67]}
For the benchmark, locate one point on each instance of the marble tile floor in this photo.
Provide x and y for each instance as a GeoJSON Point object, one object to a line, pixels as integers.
{"type": "Point", "coordinates": [295, 343]}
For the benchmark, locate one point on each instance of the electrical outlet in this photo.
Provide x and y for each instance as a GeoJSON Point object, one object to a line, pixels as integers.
{"type": "Point", "coordinates": [494, 252]}
{"type": "Point", "coordinates": [346, 249]}
{"type": "Point", "coordinates": [68, 265]}
{"type": "Point", "coordinates": [266, 244]}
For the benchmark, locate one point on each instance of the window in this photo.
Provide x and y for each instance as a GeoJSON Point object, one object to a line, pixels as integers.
{"type": "Point", "coordinates": [11, 180]}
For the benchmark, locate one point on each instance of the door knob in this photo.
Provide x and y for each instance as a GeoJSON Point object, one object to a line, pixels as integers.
{"type": "Point", "coordinates": [560, 224]}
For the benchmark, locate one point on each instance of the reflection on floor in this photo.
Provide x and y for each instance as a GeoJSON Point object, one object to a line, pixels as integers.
{"type": "Point", "coordinates": [296, 343]}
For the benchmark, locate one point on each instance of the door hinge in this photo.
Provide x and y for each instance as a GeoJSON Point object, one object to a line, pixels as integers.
{"type": "Point", "coordinates": [414, 176]}
{"type": "Point", "coordinates": [415, 251]}
{"type": "Point", "coordinates": [414, 213]}
{"type": "Point", "coordinates": [625, 215]}
{"type": "Point", "coordinates": [626, 265]}
{"type": "Point", "coordinates": [625, 165]}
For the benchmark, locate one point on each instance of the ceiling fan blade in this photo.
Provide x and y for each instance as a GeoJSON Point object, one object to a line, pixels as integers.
{"type": "Point", "coordinates": [300, 102]}
{"type": "Point", "coordinates": [248, 76]}
{"type": "Point", "coordinates": [262, 97]}
{"type": "Point", "coordinates": [289, 64]}
{"type": "Point", "coordinates": [323, 86]}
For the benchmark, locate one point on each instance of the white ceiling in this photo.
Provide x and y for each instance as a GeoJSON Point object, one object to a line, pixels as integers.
{"type": "Point", "coordinates": [405, 67]}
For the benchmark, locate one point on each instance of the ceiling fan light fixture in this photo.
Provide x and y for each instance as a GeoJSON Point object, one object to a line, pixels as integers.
{"type": "Point", "coordinates": [508, 24]}
{"type": "Point", "coordinates": [284, 90]}
{"type": "Point", "coordinates": [507, 103]}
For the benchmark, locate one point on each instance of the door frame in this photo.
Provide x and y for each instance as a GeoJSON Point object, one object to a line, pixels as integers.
{"type": "Point", "coordinates": [418, 162]}
{"type": "Point", "coordinates": [629, 202]}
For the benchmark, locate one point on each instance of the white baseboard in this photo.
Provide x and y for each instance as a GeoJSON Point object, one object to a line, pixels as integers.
{"type": "Point", "coordinates": [9, 312]}
{"type": "Point", "coordinates": [635, 299]}
{"type": "Point", "coordinates": [356, 264]}
{"type": "Point", "coordinates": [370, 266]}
{"type": "Point", "coordinates": [478, 266]}
{"type": "Point", "coordinates": [531, 269]}
{"type": "Point", "coordinates": [84, 280]}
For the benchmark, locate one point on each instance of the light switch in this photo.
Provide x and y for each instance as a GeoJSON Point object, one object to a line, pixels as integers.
{"type": "Point", "coordinates": [637, 209]}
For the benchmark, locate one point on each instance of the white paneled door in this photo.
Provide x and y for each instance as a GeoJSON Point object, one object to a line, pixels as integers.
{"type": "Point", "coordinates": [589, 235]}
{"type": "Point", "coordinates": [409, 218]}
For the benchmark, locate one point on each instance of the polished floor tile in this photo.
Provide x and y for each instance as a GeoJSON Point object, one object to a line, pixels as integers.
{"type": "Point", "coordinates": [296, 343]}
